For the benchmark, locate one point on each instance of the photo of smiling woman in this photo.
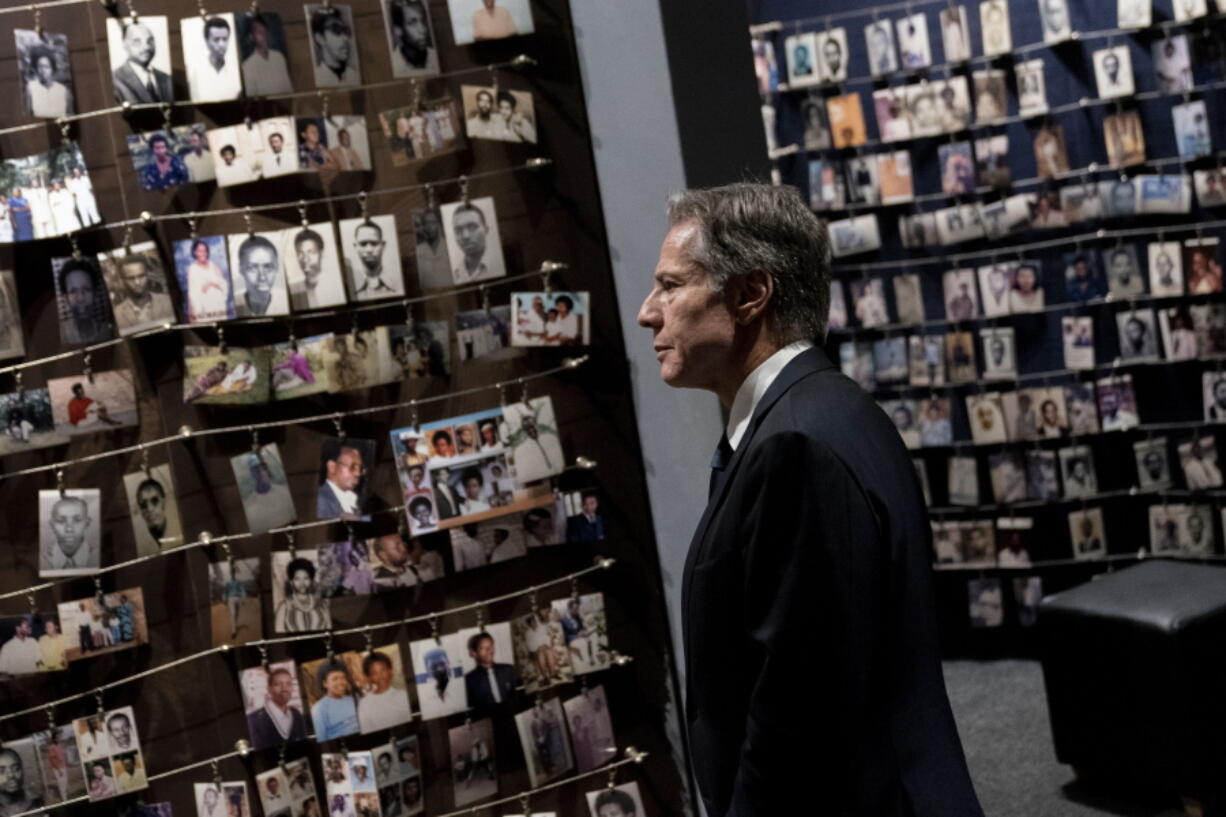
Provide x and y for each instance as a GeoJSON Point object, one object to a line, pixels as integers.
{"type": "Point", "coordinates": [298, 605]}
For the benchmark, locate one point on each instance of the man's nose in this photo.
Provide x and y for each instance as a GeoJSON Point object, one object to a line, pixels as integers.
{"type": "Point", "coordinates": [648, 313]}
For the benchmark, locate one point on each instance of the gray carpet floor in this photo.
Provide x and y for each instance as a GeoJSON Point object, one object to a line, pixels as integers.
{"type": "Point", "coordinates": [1001, 711]}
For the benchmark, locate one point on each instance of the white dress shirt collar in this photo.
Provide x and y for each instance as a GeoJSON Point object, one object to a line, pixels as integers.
{"type": "Point", "coordinates": [750, 393]}
{"type": "Point", "coordinates": [348, 499]}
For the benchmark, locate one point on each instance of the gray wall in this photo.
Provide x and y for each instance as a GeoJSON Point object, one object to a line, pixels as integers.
{"type": "Point", "coordinates": [638, 160]}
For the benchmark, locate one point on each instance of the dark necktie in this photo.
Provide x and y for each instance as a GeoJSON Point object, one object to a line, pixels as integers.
{"type": "Point", "coordinates": [153, 90]}
{"type": "Point", "coordinates": [723, 454]}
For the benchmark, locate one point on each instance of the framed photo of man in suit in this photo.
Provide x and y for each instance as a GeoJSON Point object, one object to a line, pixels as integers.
{"type": "Point", "coordinates": [140, 59]}
{"type": "Point", "coordinates": [272, 703]}
{"type": "Point", "coordinates": [210, 53]}
{"type": "Point", "coordinates": [344, 489]}
{"type": "Point", "coordinates": [490, 678]}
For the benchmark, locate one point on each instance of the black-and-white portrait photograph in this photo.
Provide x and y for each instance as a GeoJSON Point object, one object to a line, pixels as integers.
{"type": "Point", "coordinates": [926, 360]}
{"type": "Point", "coordinates": [299, 604]}
{"type": "Point", "coordinates": [1122, 268]}
{"type": "Point", "coordinates": [210, 54]}
{"type": "Point", "coordinates": [140, 59]}
{"type": "Point", "coordinates": [371, 251]}
{"type": "Point", "coordinates": [1055, 19]}
{"type": "Point", "coordinates": [961, 299]}
{"type": "Point", "coordinates": [277, 151]}
{"type": "Point", "coordinates": [83, 306]}
{"type": "Point", "coordinates": [801, 52]}
{"type": "Point", "coordinates": [999, 353]}
{"type": "Point", "coordinates": [543, 738]}
{"type": "Point", "coordinates": [1179, 336]}
{"type": "Point", "coordinates": [1077, 337]}
{"type": "Point", "coordinates": [986, 602]}
{"type": "Point", "coordinates": [1172, 63]}
{"type": "Point", "coordinates": [1134, 13]}
{"type": "Point", "coordinates": [262, 53]}
{"type": "Point", "coordinates": [955, 33]}
{"type": "Point", "coordinates": [12, 339]}
{"type": "Point", "coordinates": [879, 41]}
{"type": "Point", "coordinates": [1113, 72]}
{"type": "Point", "coordinates": [959, 223]}
{"type": "Point", "coordinates": [23, 788]}
{"type": "Point", "coordinates": [1213, 386]}
{"type": "Point", "coordinates": [994, 23]}
{"type": "Point", "coordinates": [348, 142]}
{"type": "Point", "coordinates": [616, 801]}
{"type": "Point", "coordinates": [473, 243]}
{"type": "Point", "coordinates": [312, 266]}
{"type": "Point", "coordinates": [334, 47]}
{"type": "Point", "coordinates": [1165, 268]}
{"type": "Point", "coordinates": [1031, 88]}
{"type": "Point", "coordinates": [1077, 472]}
{"type": "Point", "coordinates": [832, 54]}
{"type": "Point", "coordinates": [591, 729]}
{"type": "Point", "coordinates": [1086, 533]}
{"type": "Point", "coordinates": [1153, 464]}
{"type": "Point", "coordinates": [1008, 476]}
{"type": "Point", "coordinates": [963, 481]}
{"type": "Point", "coordinates": [991, 95]}
{"type": "Point", "coordinates": [138, 287]}
{"type": "Point", "coordinates": [1197, 538]}
{"type": "Point", "coordinates": [410, 38]}
{"type": "Point", "coordinates": [433, 262]}
{"type": "Point", "coordinates": [1190, 9]}
{"type": "Point", "coordinates": [1198, 459]}
{"type": "Point", "coordinates": [154, 509]}
{"type": "Point", "coordinates": [995, 282]}
{"type": "Point", "coordinates": [913, 46]}
{"type": "Point", "coordinates": [499, 114]}
{"type": "Point", "coordinates": [69, 532]}
{"type": "Point", "coordinates": [1138, 334]}
{"type": "Point", "coordinates": [923, 109]}
{"type": "Point", "coordinates": [235, 150]}
{"type": "Point", "coordinates": [954, 104]}
{"type": "Point", "coordinates": [480, 20]}
{"type": "Point", "coordinates": [1165, 528]}
{"type": "Point", "coordinates": [258, 274]}
{"type": "Point", "coordinates": [1042, 475]}
{"type": "Point", "coordinates": [909, 298]}
{"type": "Point", "coordinates": [1082, 410]}
{"type": "Point", "coordinates": [45, 73]}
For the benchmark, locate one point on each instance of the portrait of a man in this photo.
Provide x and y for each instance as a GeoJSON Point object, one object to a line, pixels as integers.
{"type": "Point", "coordinates": [140, 60]}
{"type": "Point", "coordinates": [261, 42]}
{"type": "Point", "coordinates": [276, 718]}
{"type": "Point", "coordinates": [69, 532]}
{"type": "Point", "coordinates": [19, 789]}
{"type": "Point", "coordinates": [154, 509]}
{"type": "Point", "coordinates": [473, 242]}
{"type": "Point", "coordinates": [313, 270]}
{"type": "Point", "coordinates": [410, 36]}
{"type": "Point", "coordinates": [84, 308]}
{"type": "Point", "coordinates": [333, 48]}
{"type": "Point", "coordinates": [210, 54]}
{"type": "Point", "coordinates": [139, 293]}
{"type": "Point", "coordinates": [490, 684]}
{"type": "Point", "coordinates": [372, 257]}
{"type": "Point", "coordinates": [258, 262]}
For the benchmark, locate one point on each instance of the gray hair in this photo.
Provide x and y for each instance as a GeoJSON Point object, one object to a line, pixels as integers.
{"type": "Point", "coordinates": [745, 227]}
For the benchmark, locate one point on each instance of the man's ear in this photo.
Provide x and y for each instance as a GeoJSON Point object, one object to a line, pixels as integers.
{"type": "Point", "coordinates": [749, 295]}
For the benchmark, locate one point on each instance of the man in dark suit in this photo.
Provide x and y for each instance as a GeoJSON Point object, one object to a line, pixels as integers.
{"type": "Point", "coordinates": [137, 81]}
{"type": "Point", "coordinates": [810, 636]}
{"type": "Point", "coordinates": [489, 685]}
{"type": "Point", "coordinates": [589, 525]}
{"type": "Point", "coordinates": [277, 721]}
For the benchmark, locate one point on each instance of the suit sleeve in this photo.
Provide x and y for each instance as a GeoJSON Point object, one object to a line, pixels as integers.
{"type": "Point", "coordinates": [814, 565]}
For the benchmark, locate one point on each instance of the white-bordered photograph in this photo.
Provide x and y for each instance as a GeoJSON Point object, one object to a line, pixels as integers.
{"type": "Point", "coordinates": [955, 33]}
{"type": "Point", "coordinates": [879, 41]}
{"type": "Point", "coordinates": [958, 224]}
{"type": "Point", "coordinates": [1008, 477]}
{"type": "Point", "coordinates": [1031, 88]}
{"type": "Point", "coordinates": [1086, 533]}
{"type": "Point", "coordinates": [1050, 151]}
{"type": "Point", "coordinates": [1138, 334]}
{"type": "Point", "coordinates": [1192, 136]}
{"type": "Point", "coordinates": [138, 287]}
{"type": "Point", "coordinates": [851, 236]}
{"type": "Point", "coordinates": [801, 53]}
{"type": "Point", "coordinates": [833, 55]}
{"type": "Point", "coordinates": [894, 180]}
{"type": "Point", "coordinates": [999, 350]}
{"type": "Point", "coordinates": [994, 24]}
{"type": "Point", "coordinates": [1180, 340]}
{"type": "Point", "coordinates": [1190, 9]}
{"type": "Point", "coordinates": [262, 53]}
{"type": "Point", "coordinates": [171, 157]}
{"type": "Point", "coordinates": [263, 488]}
{"type": "Point", "coordinates": [276, 147]}
{"type": "Point", "coordinates": [69, 532]}
{"type": "Point", "coordinates": [893, 117]}
{"type": "Point", "coordinates": [498, 114]}
{"type": "Point", "coordinates": [438, 670]}
{"type": "Point", "coordinates": [954, 107]}
{"type": "Point", "coordinates": [83, 305]}
{"type": "Point", "coordinates": [914, 48]}
{"type": "Point", "coordinates": [963, 479]}
{"type": "Point", "coordinates": [1055, 19]}
{"type": "Point", "coordinates": [961, 299]}
{"type": "Point", "coordinates": [1153, 464]}
{"type": "Point", "coordinates": [235, 153]}
{"type": "Point", "coordinates": [991, 95]}
{"type": "Point", "coordinates": [1173, 64]}
{"type": "Point", "coordinates": [987, 418]}
{"type": "Point", "coordinates": [616, 801]}
{"type": "Point", "coordinates": [995, 283]}
{"type": "Point", "coordinates": [1122, 268]}
{"type": "Point", "coordinates": [258, 274]}
{"type": "Point", "coordinates": [99, 401]}
{"type": "Point", "coordinates": [473, 242]}
{"type": "Point", "coordinates": [371, 250]}
{"type": "Point", "coordinates": [210, 54]}
{"type": "Point", "coordinates": [140, 59]}
{"type": "Point", "coordinates": [1113, 72]}
{"type": "Point", "coordinates": [1027, 292]}
{"type": "Point", "coordinates": [410, 38]}
{"type": "Point", "coordinates": [334, 46]}
{"type": "Point", "coordinates": [1134, 13]}
{"type": "Point", "coordinates": [348, 142]}
{"type": "Point", "coordinates": [1165, 268]}
{"type": "Point", "coordinates": [543, 738]}
{"type": "Point", "coordinates": [1198, 459]}
{"type": "Point", "coordinates": [591, 729]}
{"type": "Point", "coordinates": [923, 111]}
{"type": "Point", "coordinates": [45, 73]}
{"type": "Point", "coordinates": [1077, 472]}
{"type": "Point", "coordinates": [1077, 337]}
{"type": "Point", "coordinates": [908, 298]}
{"type": "Point", "coordinates": [480, 20]}
{"type": "Point", "coordinates": [312, 266]}
{"type": "Point", "coordinates": [474, 774]}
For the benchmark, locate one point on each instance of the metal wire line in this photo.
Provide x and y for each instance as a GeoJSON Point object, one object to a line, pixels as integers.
{"type": "Point", "coordinates": [1140, 555]}
{"type": "Point", "coordinates": [519, 61]}
{"type": "Point", "coordinates": [600, 563]}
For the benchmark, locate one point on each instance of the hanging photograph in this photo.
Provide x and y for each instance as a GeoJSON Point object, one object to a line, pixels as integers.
{"type": "Point", "coordinates": [1086, 534]}
{"type": "Point", "coordinates": [98, 401]}
{"type": "Point", "coordinates": [882, 55]}
{"type": "Point", "coordinates": [94, 626]}
{"type": "Point", "coordinates": [543, 738]}
{"type": "Point", "coordinates": [334, 48]}
{"type": "Point", "coordinates": [800, 50]}
{"type": "Point", "coordinates": [478, 20]}
{"type": "Point", "coordinates": [110, 752]}
{"type": "Point", "coordinates": [1134, 13]}
{"type": "Point", "coordinates": [550, 319]}
{"type": "Point", "coordinates": [1202, 262]}
{"type": "Point", "coordinates": [299, 606]}
{"type": "Point", "coordinates": [234, 601]}
{"type": "Point", "coordinates": [474, 774]}
{"type": "Point", "coordinates": [585, 631]}
{"type": "Point", "coordinates": [890, 108]}
{"type": "Point", "coordinates": [1031, 88]}
{"type": "Point", "coordinates": [27, 422]}
{"type": "Point", "coordinates": [1173, 64]}
{"type": "Point", "coordinates": [438, 673]}
{"type": "Point", "coordinates": [473, 242]}
{"type": "Point", "coordinates": [210, 54]}
{"type": "Point", "coordinates": [264, 490]}
{"type": "Point", "coordinates": [139, 292]}
{"type": "Point", "coordinates": [262, 51]}
{"type": "Point", "coordinates": [591, 729]}
{"type": "Point", "coordinates": [230, 375]}
{"type": "Point", "coordinates": [484, 333]}
{"type": "Point", "coordinates": [540, 650]}
{"type": "Point", "coordinates": [419, 132]}
{"type": "Point", "coordinates": [312, 266]}
{"type": "Point", "coordinates": [140, 59]}
{"type": "Point", "coordinates": [82, 302]}
{"type": "Point", "coordinates": [833, 55]}
{"type": "Point", "coordinates": [994, 23]}
{"type": "Point", "coordinates": [349, 142]}
{"type": "Point", "coordinates": [222, 798]}
{"type": "Point", "coordinates": [913, 43]}
{"type": "Point", "coordinates": [60, 763]}
{"type": "Point", "coordinates": [30, 644]}
{"type": "Point", "coordinates": [499, 114]}
{"type": "Point", "coordinates": [1055, 19]}
{"type": "Point", "coordinates": [1153, 465]}
{"type": "Point", "coordinates": [259, 282]}
{"type": "Point", "coordinates": [1113, 71]}
{"type": "Point", "coordinates": [69, 532]}
{"type": "Point", "coordinates": [45, 73]}
{"type": "Point", "coordinates": [235, 153]}
{"type": "Point", "coordinates": [955, 34]}
{"type": "Point", "coordinates": [297, 368]}
{"type": "Point", "coordinates": [846, 116]}
{"type": "Point", "coordinates": [372, 257]}
{"type": "Point", "coordinates": [410, 38]}
{"type": "Point", "coordinates": [12, 340]}
{"type": "Point", "coordinates": [359, 361]}
{"type": "Point", "coordinates": [607, 802]}
{"type": "Point", "coordinates": [421, 349]}
{"type": "Point", "coordinates": [313, 155]}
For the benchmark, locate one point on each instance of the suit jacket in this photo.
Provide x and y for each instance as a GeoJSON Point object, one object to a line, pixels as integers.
{"type": "Point", "coordinates": [264, 733]}
{"type": "Point", "coordinates": [810, 637]}
{"type": "Point", "coordinates": [578, 529]}
{"type": "Point", "coordinates": [128, 88]}
{"type": "Point", "coordinates": [477, 685]}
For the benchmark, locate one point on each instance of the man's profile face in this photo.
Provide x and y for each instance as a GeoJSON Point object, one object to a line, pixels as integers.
{"type": "Point", "coordinates": [69, 521]}
{"type": "Point", "coordinates": [346, 470]}
{"type": "Point", "coordinates": [79, 292]}
{"type": "Point", "coordinates": [369, 245]}
{"type": "Point", "coordinates": [470, 233]}
{"type": "Point", "coordinates": [260, 269]}
{"type": "Point", "coordinates": [152, 507]}
{"type": "Point", "coordinates": [218, 39]}
{"type": "Point", "coordinates": [692, 325]}
{"type": "Point", "coordinates": [138, 42]}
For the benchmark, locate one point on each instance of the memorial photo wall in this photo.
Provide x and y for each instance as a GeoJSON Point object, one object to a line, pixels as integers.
{"type": "Point", "coordinates": [244, 299]}
{"type": "Point", "coordinates": [1024, 206]}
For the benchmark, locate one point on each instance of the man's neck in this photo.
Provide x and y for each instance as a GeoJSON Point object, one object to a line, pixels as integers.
{"type": "Point", "coordinates": [473, 262]}
{"type": "Point", "coordinates": [759, 348]}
